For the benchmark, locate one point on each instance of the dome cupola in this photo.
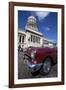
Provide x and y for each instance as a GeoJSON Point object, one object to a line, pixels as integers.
{"type": "Point", "coordinates": [31, 23]}
{"type": "Point", "coordinates": [31, 20]}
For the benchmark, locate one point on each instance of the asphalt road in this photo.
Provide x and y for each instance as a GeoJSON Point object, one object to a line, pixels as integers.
{"type": "Point", "coordinates": [24, 73]}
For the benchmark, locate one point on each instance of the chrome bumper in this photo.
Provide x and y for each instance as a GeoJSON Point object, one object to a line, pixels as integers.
{"type": "Point", "coordinates": [33, 67]}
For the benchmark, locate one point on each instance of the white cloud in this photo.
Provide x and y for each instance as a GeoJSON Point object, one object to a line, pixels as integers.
{"type": "Point", "coordinates": [41, 15]}
{"type": "Point", "coordinates": [47, 29]}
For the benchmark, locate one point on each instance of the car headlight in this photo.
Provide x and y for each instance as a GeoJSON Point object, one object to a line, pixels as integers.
{"type": "Point", "coordinates": [33, 54]}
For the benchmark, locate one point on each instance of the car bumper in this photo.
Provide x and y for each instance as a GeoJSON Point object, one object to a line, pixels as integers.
{"type": "Point", "coordinates": [33, 67]}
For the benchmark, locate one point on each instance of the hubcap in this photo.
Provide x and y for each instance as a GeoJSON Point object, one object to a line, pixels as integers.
{"type": "Point", "coordinates": [46, 66]}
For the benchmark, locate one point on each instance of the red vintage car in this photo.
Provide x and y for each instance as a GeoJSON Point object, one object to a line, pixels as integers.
{"type": "Point", "coordinates": [41, 59]}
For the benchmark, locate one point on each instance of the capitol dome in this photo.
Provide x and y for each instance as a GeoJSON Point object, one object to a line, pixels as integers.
{"type": "Point", "coordinates": [31, 24]}
{"type": "Point", "coordinates": [31, 20]}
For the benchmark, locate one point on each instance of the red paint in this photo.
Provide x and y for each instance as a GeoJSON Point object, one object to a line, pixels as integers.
{"type": "Point", "coordinates": [42, 53]}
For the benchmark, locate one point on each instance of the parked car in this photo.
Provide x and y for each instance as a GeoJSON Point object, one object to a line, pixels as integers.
{"type": "Point", "coordinates": [40, 59]}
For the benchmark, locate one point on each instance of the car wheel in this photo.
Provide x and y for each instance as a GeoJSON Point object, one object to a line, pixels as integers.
{"type": "Point", "coordinates": [35, 73]}
{"type": "Point", "coordinates": [46, 67]}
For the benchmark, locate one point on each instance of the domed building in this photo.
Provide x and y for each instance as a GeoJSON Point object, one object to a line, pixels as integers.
{"type": "Point", "coordinates": [31, 19]}
{"type": "Point", "coordinates": [31, 23]}
{"type": "Point", "coordinates": [31, 35]}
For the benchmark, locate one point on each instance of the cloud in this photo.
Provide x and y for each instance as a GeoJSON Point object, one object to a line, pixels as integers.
{"type": "Point", "coordinates": [47, 29]}
{"type": "Point", "coordinates": [41, 15]}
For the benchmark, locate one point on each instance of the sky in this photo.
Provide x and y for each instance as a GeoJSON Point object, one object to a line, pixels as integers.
{"type": "Point", "coordinates": [46, 22]}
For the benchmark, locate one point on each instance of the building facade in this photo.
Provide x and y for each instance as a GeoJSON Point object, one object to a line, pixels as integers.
{"type": "Point", "coordinates": [31, 36]}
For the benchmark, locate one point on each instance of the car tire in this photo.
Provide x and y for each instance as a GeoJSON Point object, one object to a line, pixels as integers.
{"type": "Point", "coordinates": [46, 66]}
{"type": "Point", "coordinates": [35, 73]}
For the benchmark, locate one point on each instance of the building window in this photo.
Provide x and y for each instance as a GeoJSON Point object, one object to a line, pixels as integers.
{"type": "Point", "coordinates": [35, 39]}
{"type": "Point", "coordinates": [20, 39]}
{"type": "Point", "coordinates": [38, 40]}
{"type": "Point", "coordinates": [31, 38]}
